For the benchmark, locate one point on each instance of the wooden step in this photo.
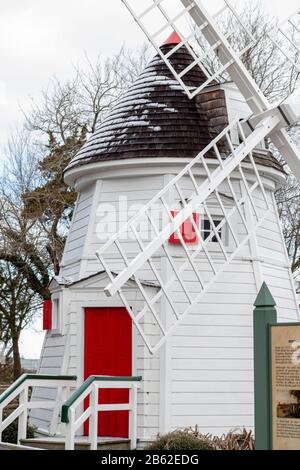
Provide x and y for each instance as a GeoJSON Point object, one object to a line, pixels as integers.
{"type": "Point", "coordinates": [5, 446]}
{"type": "Point", "coordinates": [58, 443]}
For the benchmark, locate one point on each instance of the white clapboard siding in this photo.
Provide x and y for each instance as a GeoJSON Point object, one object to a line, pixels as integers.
{"type": "Point", "coordinates": [237, 398]}
{"type": "Point", "coordinates": [191, 353]}
{"type": "Point", "coordinates": [207, 366]}
{"type": "Point", "coordinates": [212, 351]}
{"type": "Point", "coordinates": [187, 390]}
{"type": "Point", "coordinates": [50, 364]}
{"type": "Point", "coordinates": [144, 398]}
{"type": "Point", "coordinates": [206, 363]}
{"type": "Point", "coordinates": [213, 410]}
{"type": "Point", "coordinates": [81, 219]}
{"type": "Point", "coordinates": [219, 423]}
{"type": "Point", "coordinates": [121, 199]}
{"type": "Point", "coordinates": [53, 352]}
{"type": "Point", "coordinates": [236, 105]}
{"type": "Point", "coordinates": [222, 342]}
{"type": "Point", "coordinates": [211, 375]}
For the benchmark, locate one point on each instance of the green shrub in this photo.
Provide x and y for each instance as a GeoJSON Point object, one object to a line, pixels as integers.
{"type": "Point", "coordinates": [180, 440]}
{"type": "Point", "coordinates": [10, 434]}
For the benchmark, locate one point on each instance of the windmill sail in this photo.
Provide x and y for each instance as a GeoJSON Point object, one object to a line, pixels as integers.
{"type": "Point", "coordinates": [217, 41]}
{"type": "Point", "coordinates": [289, 43]}
{"type": "Point", "coordinates": [220, 195]}
{"type": "Point", "coordinates": [205, 187]}
{"type": "Point", "coordinates": [201, 32]}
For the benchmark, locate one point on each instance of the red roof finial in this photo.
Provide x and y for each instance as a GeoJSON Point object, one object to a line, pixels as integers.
{"type": "Point", "coordinates": [173, 39]}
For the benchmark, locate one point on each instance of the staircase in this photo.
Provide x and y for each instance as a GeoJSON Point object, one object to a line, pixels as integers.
{"type": "Point", "coordinates": [69, 410]}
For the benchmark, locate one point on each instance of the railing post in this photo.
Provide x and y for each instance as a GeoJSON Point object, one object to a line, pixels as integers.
{"type": "Point", "coordinates": [133, 417]}
{"type": "Point", "coordinates": [22, 420]}
{"type": "Point", "coordinates": [70, 431]}
{"type": "Point", "coordinates": [93, 424]}
{"type": "Point", "coordinates": [264, 315]}
{"type": "Point", "coordinates": [64, 396]}
{"type": "Point", "coordinates": [56, 411]}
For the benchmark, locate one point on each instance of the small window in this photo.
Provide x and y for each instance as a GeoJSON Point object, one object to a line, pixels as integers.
{"type": "Point", "coordinates": [207, 229]}
{"type": "Point", "coordinates": [55, 314]}
{"type": "Point", "coordinates": [205, 226]}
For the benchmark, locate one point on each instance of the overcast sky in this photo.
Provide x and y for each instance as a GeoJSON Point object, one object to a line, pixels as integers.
{"type": "Point", "coordinates": [42, 38]}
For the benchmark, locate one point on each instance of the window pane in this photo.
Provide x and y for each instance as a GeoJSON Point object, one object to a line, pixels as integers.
{"type": "Point", "coordinates": [207, 229]}
{"type": "Point", "coordinates": [55, 314]}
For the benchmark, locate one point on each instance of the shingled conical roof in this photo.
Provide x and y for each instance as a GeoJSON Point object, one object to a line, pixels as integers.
{"type": "Point", "coordinates": [154, 118]}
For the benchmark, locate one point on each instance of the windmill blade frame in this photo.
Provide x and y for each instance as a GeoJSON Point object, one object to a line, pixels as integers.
{"type": "Point", "coordinates": [220, 164]}
{"type": "Point", "coordinates": [230, 60]}
{"type": "Point", "coordinates": [290, 33]}
{"type": "Point", "coordinates": [227, 165]}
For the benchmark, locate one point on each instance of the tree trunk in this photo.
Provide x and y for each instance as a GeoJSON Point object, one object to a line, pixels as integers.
{"type": "Point", "coordinates": [16, 357]}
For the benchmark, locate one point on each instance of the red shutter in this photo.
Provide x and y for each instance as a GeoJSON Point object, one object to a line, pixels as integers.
{"type": "Point", "coordinates": [47, 315]}
{"type": "Point", "coordinates": [187, 231]}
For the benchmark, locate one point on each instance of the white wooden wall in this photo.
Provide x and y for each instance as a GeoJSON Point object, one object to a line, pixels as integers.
{"type": "Point", "coordinates": [204, 374]}
{"type": "Point", "coordinates": [211, 354]}
{"type": "Point", "coordinates": [90, 294]}
{"type": "Point", "coordinates": [51, 363]}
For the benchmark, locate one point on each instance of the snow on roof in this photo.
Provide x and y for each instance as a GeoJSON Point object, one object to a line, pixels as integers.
{"type": "Point", "coordinates": [153, 118]}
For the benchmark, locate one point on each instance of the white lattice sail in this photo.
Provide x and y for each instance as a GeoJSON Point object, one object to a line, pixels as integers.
{"type": "Point", "coordinates": [289, 43]}
{"type": "Point", "coordinates": [158, 18]}
{"type": "Point", "coordinates": [223, 179]}
{"type": "Point", "coordinates": [205, 187]}
{"type": "Point", "coordinates": [217, 40]}
{"type": "Point", "coordinates": [202, 34]}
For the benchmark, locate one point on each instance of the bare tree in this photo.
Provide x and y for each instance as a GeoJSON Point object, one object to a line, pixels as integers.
{"type": "Point", "coordinates": [22, 154]}
{"type": "Point", "coordinates": [288, 200]}
{"type": "Point", "coordinates": [78, 105]}
{"type": "Point", "coordinates": [35, 204]}
{"type": "Point", "coordinates": [24, 261]}
{"type": "Point", "coordinates": [18, 307]}
{"type": "Point", "coordinates": [22, 242]}
{"type": "Point", "coordinates": [69, 112]}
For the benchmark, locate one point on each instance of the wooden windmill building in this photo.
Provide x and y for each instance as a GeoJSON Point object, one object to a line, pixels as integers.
{"type": "Point", "coordinates": [199, 372]}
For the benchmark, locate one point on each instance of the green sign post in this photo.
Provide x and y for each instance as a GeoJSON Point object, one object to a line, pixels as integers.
{"type": "Point", "coordinates": [264, 315]}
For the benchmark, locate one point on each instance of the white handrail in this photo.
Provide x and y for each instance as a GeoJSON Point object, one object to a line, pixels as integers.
{"type": "Point", "coordinates": [91, 389]}
{"type": "Point", "coordinates": [21, 389]}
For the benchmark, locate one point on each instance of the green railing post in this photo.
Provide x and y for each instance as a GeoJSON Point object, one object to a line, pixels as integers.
{"type": "Point", "coordinates": [264, 314]}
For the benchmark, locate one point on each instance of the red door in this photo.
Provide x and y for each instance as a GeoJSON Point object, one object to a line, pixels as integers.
{"type": "Point", "coordinates": [108, 351]}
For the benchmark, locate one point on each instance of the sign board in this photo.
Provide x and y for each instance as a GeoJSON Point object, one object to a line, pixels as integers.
{"type": "Point", "coordinates": [285, 386]}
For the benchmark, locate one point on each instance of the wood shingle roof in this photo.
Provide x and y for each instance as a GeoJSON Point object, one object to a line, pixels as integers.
{"type": "Point", "coordinates": [155, 118]}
